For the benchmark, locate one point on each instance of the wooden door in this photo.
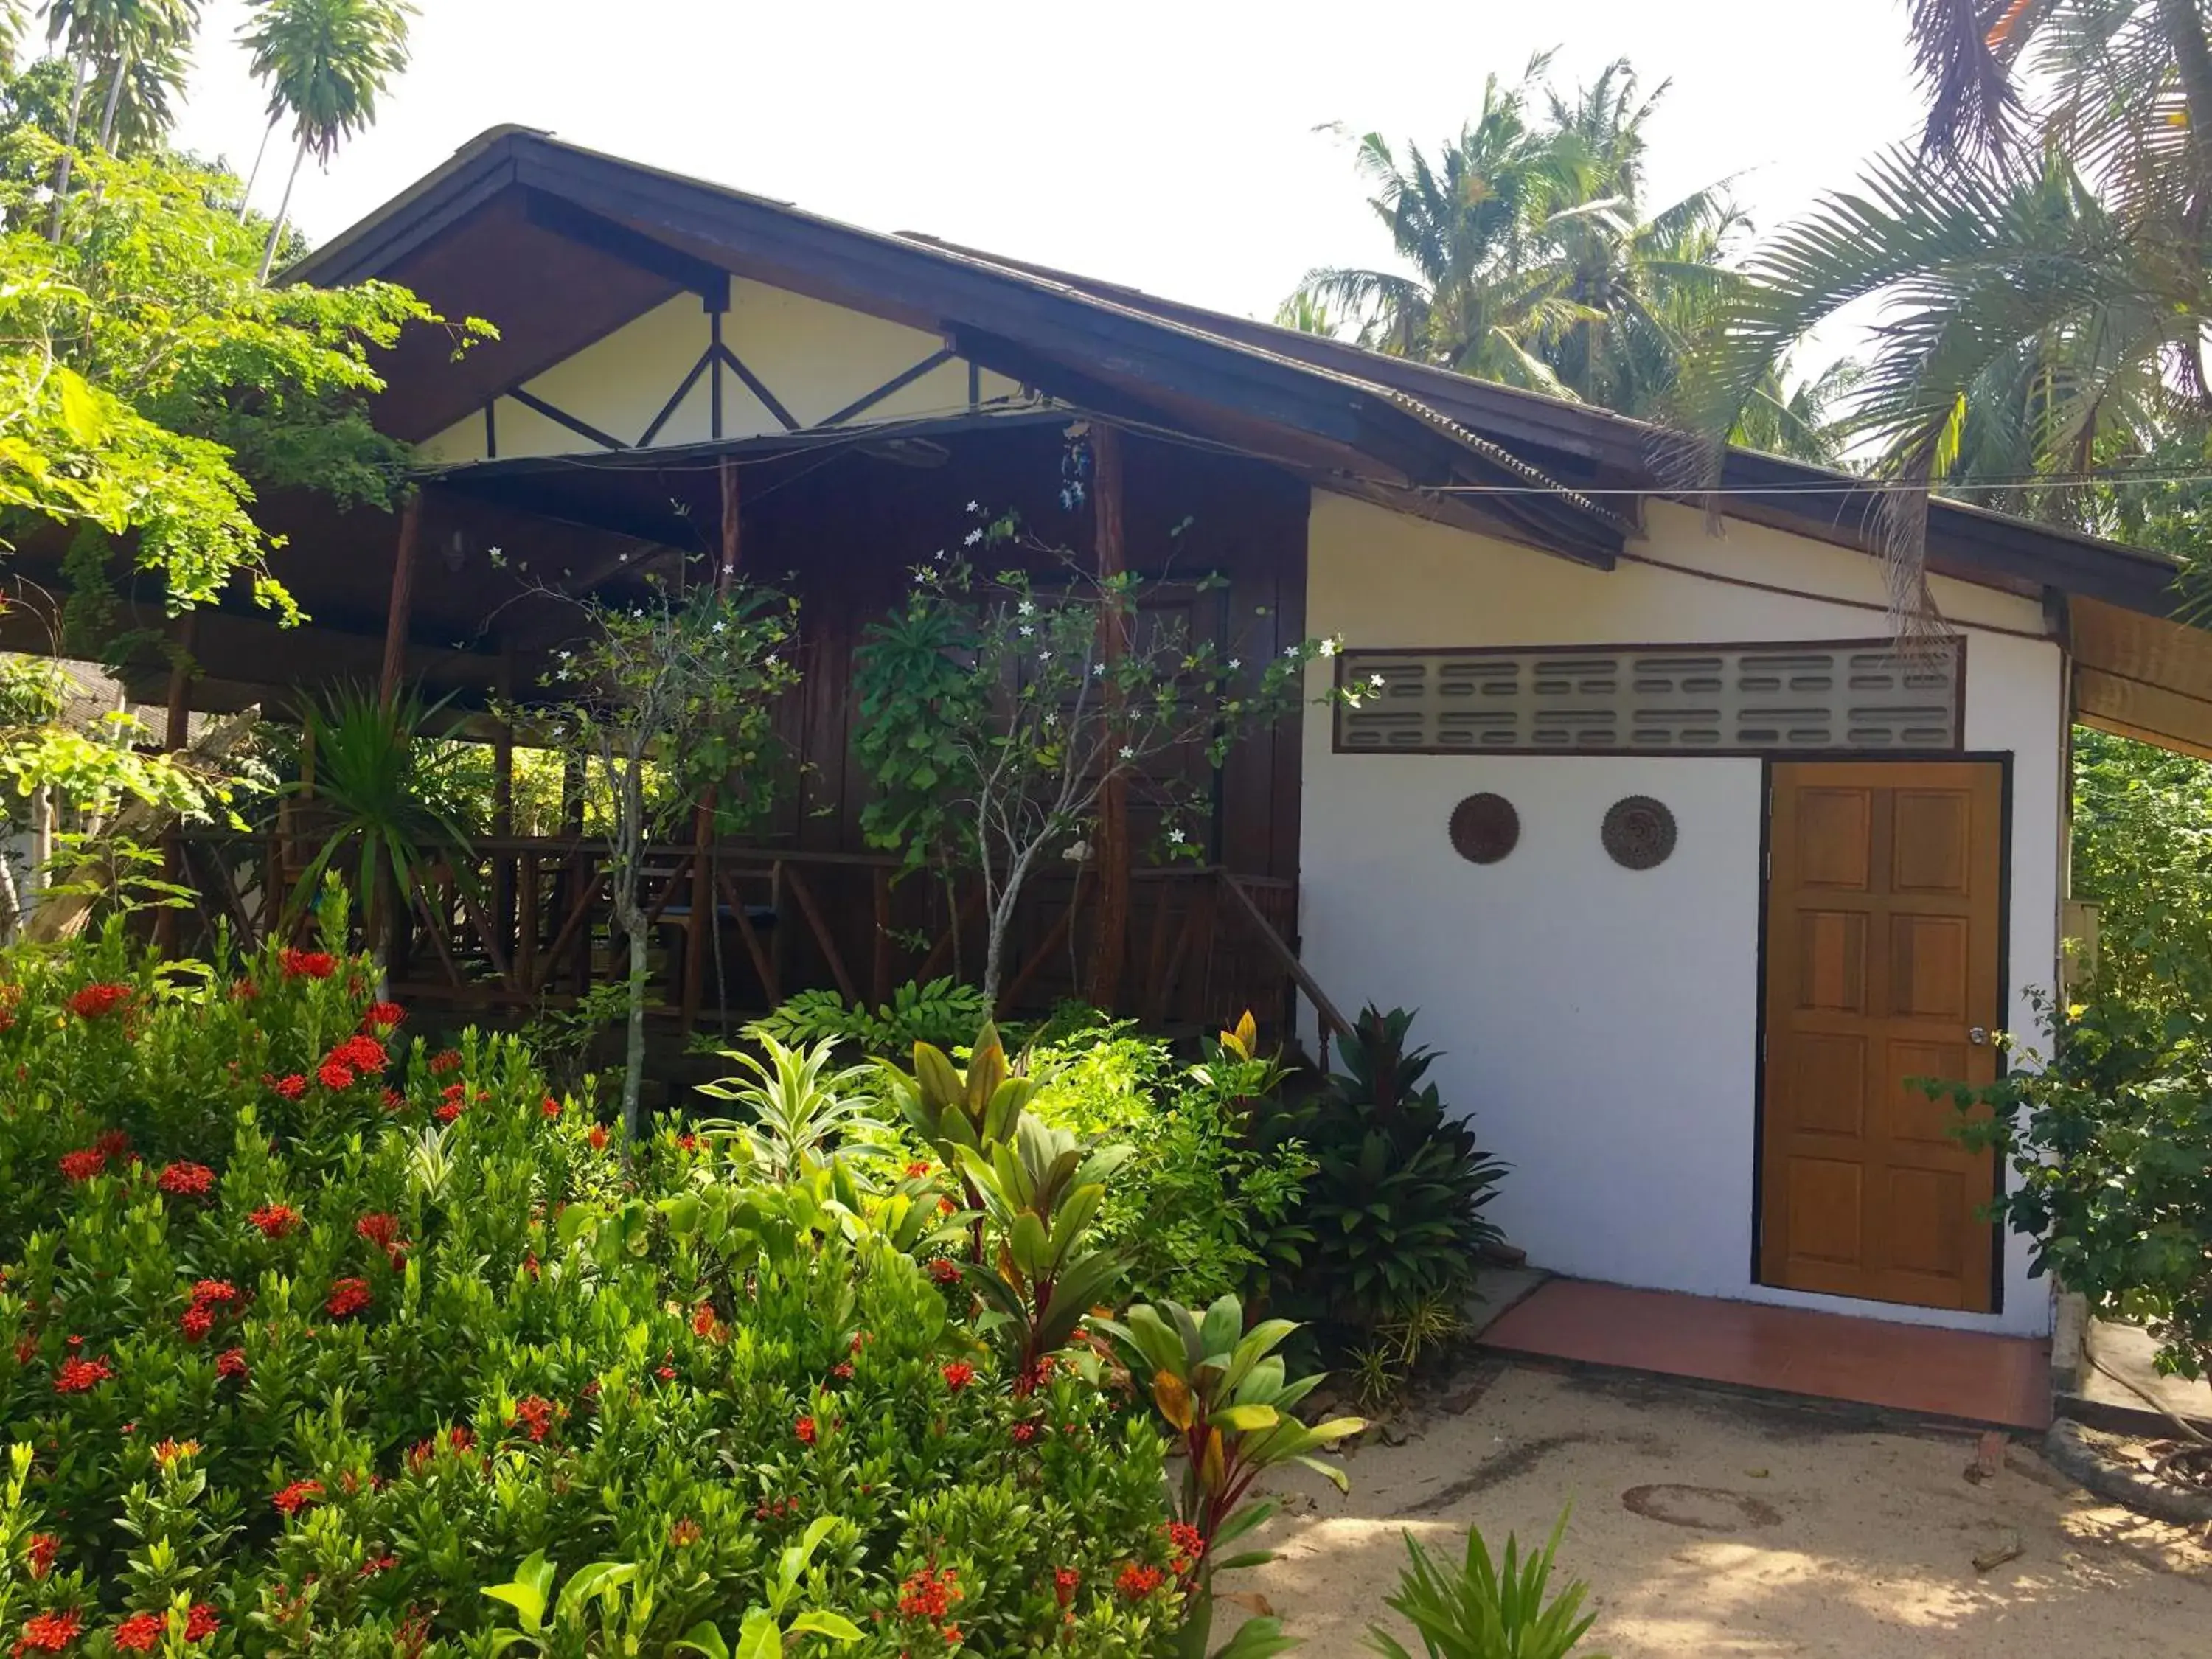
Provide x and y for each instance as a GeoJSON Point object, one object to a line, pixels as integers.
{"type": "Point", "coordinates": [1882, 935]}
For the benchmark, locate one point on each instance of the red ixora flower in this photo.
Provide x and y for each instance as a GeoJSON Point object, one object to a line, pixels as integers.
{"type": "Point", "coordinates": [82, 1166]}
{"type": "Point", "coordinates": [348, 1296]}
{"type": "Point", "coordinates": [930, 1592]}
{"type": "Point", "coordinates": [1186, 1539]}
{"type": "Point", "coordinates": [231, 1363]}
{"type": "Point", "coordinates": [43, 1548]}
{"type": "Point", "coordinates": [685, 1531]}
{"type": "Point", "coordinates": [944, 1270]}
{"type": "Point", "coordinates": [921, 1169]}
{"type": "Point", "coordinates": [200, 1622]}
{"type": "Point", "coordinates": [95, 1000]}
{"type": "Point", "coordinates": [299, 1495]}
{"type": "Point", "coordinates": [1065, 1581]}
{"type": "Point", "coordinates": [307, 964]}
{"type": "Point", "coordinates": [79, 1376]}
{"type": "Point", "coordinates": [1137, 1581]}
{"type": "Point", "coordinates": [186, 1180]}
{"type": "Point", "coordinates": [447, 1059]}
{"type": "Point", "coordinates": [196, 1322]}
{"type": "Point", "coordinates": [331, 1075]}
{"type": "Point", "coordinates": [111, 1144]}
{"type": "Point", "coordinates": [959, 1375]}
{"type": "Point", "coordinates": [533, 1415]}
{"type": "Point", "coordinates": [550, 1106]}
{"type": "Point", "coordinates": [597, 1137]}
{"type": "Point", "coordinates": [363, 1053]}
{"type": "Point", "coordinates": [382, 1016]}
{"type": "Point", "coordinates": [142, 1632]}
{"type": "Point", "coordinates": [1024, 1433]}
{"type": "Point", "coordinates": [805, 1430]}
{"type": "Point", "coordinates": [842, 1370]}
{"type": "Point", "coordinates": [381, 1230]}
{"type": "Point", "coordinates": [290, 1087]}
{"type": "Point", "coordinates": [48, 1632]}
{"type": "Point", "coordinates": [275, 1220]}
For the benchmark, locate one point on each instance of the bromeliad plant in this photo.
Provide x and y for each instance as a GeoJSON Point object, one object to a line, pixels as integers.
{"type": "Point", "coordinates": [1229, 1398]}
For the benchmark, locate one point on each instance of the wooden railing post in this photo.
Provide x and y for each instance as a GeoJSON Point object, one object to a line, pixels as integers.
{"type": "Point", "coordinates": [1109, 951]}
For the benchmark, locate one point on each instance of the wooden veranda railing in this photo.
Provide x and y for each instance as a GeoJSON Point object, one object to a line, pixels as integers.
{"type": "Point", "coordinates": [530, 924]}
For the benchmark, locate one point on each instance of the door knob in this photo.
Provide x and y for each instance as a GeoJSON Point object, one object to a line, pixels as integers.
{"type": "Point", "coordinates": [1978, 1036]}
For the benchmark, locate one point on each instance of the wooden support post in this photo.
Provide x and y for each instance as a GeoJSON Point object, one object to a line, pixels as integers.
{"type": "Point", "coordinates": [703, 913]}
{"type": "Point", "coordinates": [1109, 951]}
{"type": "Point", "coordinates": [403, 597]}
{"type": "Point", "coordinates": [503, 917]}
{"type": "Point", "coordinates": [174, 736]}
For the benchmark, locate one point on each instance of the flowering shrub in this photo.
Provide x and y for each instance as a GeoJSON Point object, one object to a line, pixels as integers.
{"type": "Point", "coordinates": [292, 1357]}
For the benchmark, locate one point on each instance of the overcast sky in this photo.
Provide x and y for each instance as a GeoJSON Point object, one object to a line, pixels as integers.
{"type": "Point", "coordinates": [1168, 143]}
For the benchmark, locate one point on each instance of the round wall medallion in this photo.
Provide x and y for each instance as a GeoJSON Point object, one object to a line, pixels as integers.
{"type": "Point", "coordinates": [1484, 828]}
{"type": "Point", "coordinates": [1638, 832]}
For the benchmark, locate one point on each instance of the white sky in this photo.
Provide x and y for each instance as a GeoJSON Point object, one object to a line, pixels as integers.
{"type": "Point", "coordinates": [1169, 143]}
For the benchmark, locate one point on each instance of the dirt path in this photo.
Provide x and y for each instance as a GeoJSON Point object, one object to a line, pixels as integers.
{"type": "Point", "coordinates": [1730, 1529]}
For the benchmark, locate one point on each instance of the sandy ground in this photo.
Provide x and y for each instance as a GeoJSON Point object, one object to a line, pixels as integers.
{"type": "Point", "coordinates": [1774, 1529]}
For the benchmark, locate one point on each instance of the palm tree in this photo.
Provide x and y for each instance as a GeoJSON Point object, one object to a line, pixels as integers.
{"type": "Point", "coordinates": [142, 30]}
{"type": "Point", "coordinates": [1530, 260]}
{"type": "Point", "coordinates": [325, 62]}
{"type": "Point", "coordinates": [2037, 269]}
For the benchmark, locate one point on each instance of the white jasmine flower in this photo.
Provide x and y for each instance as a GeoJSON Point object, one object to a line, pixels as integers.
{"type": "Point", "coordinates": [974, 506]}
{"type": "Point", "coordinates": [1097, 670]}
{"type": "Point", "coordinates": [974, 536]}
{"type": "Point", "coordinates": [1374, 680]}
{"type": "Point", "coordinates": [496, 551]}
{"type": "Point", "coordinates": [719, 627]}
{"type": "Point", "coordinates": [1024, 609]}
{"type": "Point", "coordinates": [1027, 631]}
{"type": "Point", "coordinates": [1045, 656]}
{"type": "Point", "coordinates": [1175, 836]}
{"type": "Point", "coordinates": [1236, 662]}
{"type": "Point", "coordinates": [769, 660]}
{"type": "Point", "coordinates": [1328, 648]}
{"type": "Point", "coordinates": [1128, 752]}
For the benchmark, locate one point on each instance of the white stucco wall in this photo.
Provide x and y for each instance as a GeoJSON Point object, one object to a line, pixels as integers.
{"type": "Point", "coordinates": [816, 358]}
{"type": "Point", "coordinates": [1600, 1023]}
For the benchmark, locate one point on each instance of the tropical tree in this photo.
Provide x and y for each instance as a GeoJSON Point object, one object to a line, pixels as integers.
{"type": "Point", "coordinates": [2037, 269]}
{"type": "Point", "coordinates": [1529, 259]}
{"type": "Point", "coordinates": [325, 63]}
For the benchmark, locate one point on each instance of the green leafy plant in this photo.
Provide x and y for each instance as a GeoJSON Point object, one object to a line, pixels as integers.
{"type": "Point", "coordinates": [1395, 1198]}
{"type": "Point", "coordinates": [1485, 1609]}
{"type": "Point", "coordinates": [1227, 1395]}
{"type": "Point", "coordinates": [940, 1013]}
{"type": "Point", "coordinates": [799, 1110]}
{"type": "Point", "coordinates": [951, 1109]}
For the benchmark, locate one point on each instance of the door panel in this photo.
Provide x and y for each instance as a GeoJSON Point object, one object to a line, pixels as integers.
{"type": "Point", "coordinates": [1883, 928]}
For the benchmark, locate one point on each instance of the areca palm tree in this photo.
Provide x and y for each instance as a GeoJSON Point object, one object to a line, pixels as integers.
{"type": "Point", "coordinates": [325, 63]}
{"type": "Point", "coordinates": [2037, 269]}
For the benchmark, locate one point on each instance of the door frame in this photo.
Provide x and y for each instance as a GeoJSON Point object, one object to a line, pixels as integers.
{"type": "Point", "coordinates": [2003, 760]}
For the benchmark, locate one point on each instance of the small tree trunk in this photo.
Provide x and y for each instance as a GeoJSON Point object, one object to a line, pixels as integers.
{"type": "Point", "coordinates": [284, 207]}
{"type": "Point", "coordinates": [633, 1061]}
{"type": "Point", "coordinates": [69, 147]}
{"type": "Point", "coordinates": [259, 155]}
{"type": "Point", "coordinates": [114, 101]}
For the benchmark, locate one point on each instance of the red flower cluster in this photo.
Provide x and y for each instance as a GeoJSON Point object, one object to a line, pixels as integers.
{"type": "Point", "coordinates": [111, 1144]}
{"type": "Point", "coordinates": [382, 1016]}
{"type": "Point", "coordinates": [331, 1075]}
{"type": "Point", "coordinates": [597, 1137]}
{"type": "Point", "coordinates": [81, 1375]}
{"type": "Point", "coordinates": [363, 1053]}
{"type": "Point", "coordinates": [456, 1097]}
{"type": "Point", "coordinates": [805, 1430]}
{"type": "Point", "coordinates": [842, 1370]}
{"type": "Point", "coordinates": [1189, 1543]}
{"type": "Point", "coordinates": [208, 1296]}
{"type": "Point", "coordinates": [1024, 1433]}
{"type": "Point", "coordinates": [550, 1106]}
{"type": "Point", "coordinates": [959, 1375]}
{"type": "Point", "coordinates": [244, 990]}
{"type": "Point", "coordinates": [377, 1564]}
{"type": "Point", "coordinates": [40, 1553]}
{"type": "Point", "coordinates": [309, 964]}
{"type": "Point", "coordinates": [944, 1270]}
{"type": "Point", "coordinates": [383, 1231]}
{"type": "Point", "coordinates": [186, 1180]}
{"type": "Point", "coordinates": [1137, 1581]}
{"type": "Point", "coordinates": [82, 1166]}
{"type": "Point", "coordinates": [231, 1363]}
{"type": "Point", "coordinates": [685, 1531]}
{"type": "Point", "coordinates": [48, 1632]}
{"type": "Point", "coordinates": [299, 1495]}
{"type": "Point", "coordinates": [533, 1415]}
{"type": "Point", "coordinates": [95, 1000]}
{"type": "Point", "coordinates": [292, 1087]}
{"type": "Point", "coordinates": [419, 1455]}
{"type": "Point", "coordinates": [275, 1220]}
{"type": "Point", "coordinates": [142, 1632]}
{"type": "Point", "coordinates": [1065, 1581]}
{"type": "Point", "coordinates": [930, 1594]}
{"type": "Point", "coordinates": [702, 1320]}
{"type": "Point", "coordinates": [921, 1169]}
{"type": "Point", "coordinates": [446, 1059]}
{"type": "Point", "coordinates": [347, 1296]}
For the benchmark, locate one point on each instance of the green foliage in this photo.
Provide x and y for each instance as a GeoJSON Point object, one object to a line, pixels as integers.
{"type": "Point", "coordinates": [800, 1113]}
{"type": "Point", "coordinates": [1226, 1393]}
{"type": "Point", "coordinates": [1484, 1609]}
{"type": "Point", "coordinates": [1395, 1198]}
{"type": "Point", "coordinates": [2143, 853]}
{"type": "Point", "coordinates": [318, 1334]}
{"type": "Point", "coordinates": [1208, 1200]}
{"type": "Point", "coordinates": [994, 709]}
{"type": "Point", "coordinates": [941, 1013]}
{"type": "Point", "coordinates": [2110, 1142]}
{"type": "Point", "coordinates": [379, 787]}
